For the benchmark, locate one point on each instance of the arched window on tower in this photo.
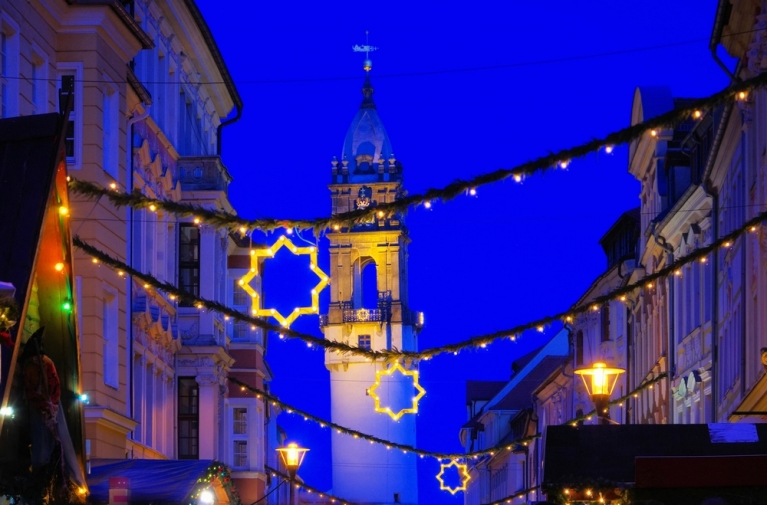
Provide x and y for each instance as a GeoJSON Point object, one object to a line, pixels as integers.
{"type": "Point", "coordinates": [365, 294]}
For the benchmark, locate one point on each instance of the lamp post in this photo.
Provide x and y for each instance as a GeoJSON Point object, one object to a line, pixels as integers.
{"type": "Point", "coordinates": [292, 457]}
{"type": "Point", "coordinates": [600, 381]}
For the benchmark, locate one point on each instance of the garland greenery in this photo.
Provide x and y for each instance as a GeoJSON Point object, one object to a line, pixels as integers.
{"type": "Point", "coordinates": [375, 440]}
{"type": "Point", "coordinates": [321, 494]}
{"type": "Point", "coordinates": [510, 446]}
{"type": "Point", "coordinates": [391, 355]}
{"type": "Point", "coordinates": [738, 91]}
{"type": "Point", "coordinates": [517, 495]}
{"type": "Point", "coordinates": [222, 473]}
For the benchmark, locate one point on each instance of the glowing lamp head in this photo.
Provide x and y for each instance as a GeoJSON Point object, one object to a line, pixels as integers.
{"type": "Point", "coordinates": [600, 379]}
{"type": "Point", "coordinates": [292, 456]}
{"type": "Point", "coordinates": [206, 496]}
{"type": "Point", "coordinates": [59, 267]}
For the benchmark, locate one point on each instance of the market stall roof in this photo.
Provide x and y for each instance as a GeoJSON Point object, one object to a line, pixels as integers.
{"type": "Point", "coordinates": [618, 453]}
{"type": "Point", "coordinates": [150, 480]}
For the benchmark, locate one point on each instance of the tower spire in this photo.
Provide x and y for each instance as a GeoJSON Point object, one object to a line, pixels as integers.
{"type": "Point", "coordinates": [367, 49]}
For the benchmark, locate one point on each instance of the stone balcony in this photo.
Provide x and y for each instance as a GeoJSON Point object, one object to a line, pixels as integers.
{"type": "Point", "coordinates": [203, 173]}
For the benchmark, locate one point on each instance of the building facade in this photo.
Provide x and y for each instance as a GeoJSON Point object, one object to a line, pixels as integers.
{"type": "Point", "coordinates": [704, 324]}
{"type": "Point", "coordinates": [369, 309]}
{"type": "Point", "coordinates": [151, 94]}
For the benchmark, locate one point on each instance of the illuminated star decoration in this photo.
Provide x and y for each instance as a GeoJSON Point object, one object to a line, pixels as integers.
{"type": "Point", "coordinates": [256, 309]}
{"type": "Point", "coordinates": [463, 471]}
{"type": "Point", "coordinates": [388, 410]}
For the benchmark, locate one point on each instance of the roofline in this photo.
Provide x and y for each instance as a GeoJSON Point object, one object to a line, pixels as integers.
{"type": "Point", "coordinates": [628, 214]}
{"type": "Point", "coordinates": [202, 25]}
{"type": "Point", "coordinates": [125, 17]}
{"type": "Point", "coordinates": [722, 12]}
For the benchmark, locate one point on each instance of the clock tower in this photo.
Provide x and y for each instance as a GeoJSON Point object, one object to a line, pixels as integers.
{"type": "Point", "coordinates": [369, 309]}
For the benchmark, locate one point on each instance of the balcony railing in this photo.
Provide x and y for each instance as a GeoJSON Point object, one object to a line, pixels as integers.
{"type": "Point", "coordinates": [364, 315]}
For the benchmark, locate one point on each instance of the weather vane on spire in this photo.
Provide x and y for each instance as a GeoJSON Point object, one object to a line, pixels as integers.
{"type": "Point", "coordinates": [367, 48]}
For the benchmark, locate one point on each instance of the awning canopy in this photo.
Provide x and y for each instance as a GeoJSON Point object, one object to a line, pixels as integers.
{"type": "Point", "coordinates": [153, 480]}
{"type": "Point", "coordinates": [753, 408]}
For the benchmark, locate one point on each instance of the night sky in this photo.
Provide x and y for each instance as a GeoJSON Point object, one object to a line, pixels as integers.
{"type": "Point", "coordinates": [461, 91]}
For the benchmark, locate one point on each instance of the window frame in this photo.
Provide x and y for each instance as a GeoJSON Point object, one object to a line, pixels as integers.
{"type": "Point", "coordinates": [76, 116]}
{"type": "Point", "coordinates": [191, 417]}
{"type": "Point", "coordinates": [111, 344]}
{"type": "Point", "coordinates": [110, 128]}
{"type": "Point", "coordinates": [9, 85]}
{"type": "Point", "coordinates": [39, 80]}
{"type": "Point", "coordinates": [189, 264]}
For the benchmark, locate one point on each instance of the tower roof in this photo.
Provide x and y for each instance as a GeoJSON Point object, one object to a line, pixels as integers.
{"type": "Point", "coordinates": [366, 140]}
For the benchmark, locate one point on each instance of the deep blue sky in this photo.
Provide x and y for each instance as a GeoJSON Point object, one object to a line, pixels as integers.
{"type": "Point", "coordinates": [515, 252]}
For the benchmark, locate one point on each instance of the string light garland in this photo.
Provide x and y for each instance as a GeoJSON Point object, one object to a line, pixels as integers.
{"type": "Point", "coordinates": [321, 494]}
{"type": "Point", "coordinates": [463, 472]}
{"type": "Point", "coordinates": [270, 252]}
{"type": "Point", "coordinates": [517, 495]}
{"type": "Point", "coordinates": [267, 397]}
{"type": "Point", "coordinates": [738, 91]}
{"type": "Point", "coordinates": [391, 355]}
{"type": "Point", "coordinates": [407, 373]}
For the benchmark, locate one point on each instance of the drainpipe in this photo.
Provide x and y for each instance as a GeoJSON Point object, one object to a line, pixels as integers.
{"type": "Point", "coordinates": [661, 241]}
{"type": "Point", "coordinates": [226, 123]}
{"type": "Point", "coordinates": [721, 18]}
{"type": "Point", "coordinates": [714, 297]}
{"type": "Point", "coordinates": [743, 266]}
{"type": "Point", "coordinates": [129, 253]}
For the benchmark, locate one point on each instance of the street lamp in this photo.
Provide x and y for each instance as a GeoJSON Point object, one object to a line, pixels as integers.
{"type": "Point", "coordinates": [600, 386]}
{"type": "Point", "coordinates": [292, 457]}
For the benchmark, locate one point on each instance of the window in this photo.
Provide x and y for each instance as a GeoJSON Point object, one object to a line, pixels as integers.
{"type": "Point", "coordinates": [110, 112]}
{"type": "Point", "coordinates": [189, 261]}
{"type": "Point", "coordinates": [240, 330]}
{"type": "Point", "coordinates": [9, 67]}
{"type": "Point", "coordinates": [579, 348]}
{"type": "Point", "coordinates": [39, 82]}
{"type": "Point", "coordinates": [363, 341]}
{"type": "Point", "coordinates": [240, 437]}
{"type": "Point", "coordinates": [240, 296]}
{"type": "Point", "coordinates": [605, 322]}
{"type": "Point", "coordinates": [70, 86]}
{"type": "Point", "coordinates": [240, 421]}
{"type": "Point", "coordinates": [3, 75]}
{"type": "Point", "coordinates": [110, 334]}
{"type": "Point", "coordinates": [188, 418]}
{"type": "Point", "coordinates": [240, 453]}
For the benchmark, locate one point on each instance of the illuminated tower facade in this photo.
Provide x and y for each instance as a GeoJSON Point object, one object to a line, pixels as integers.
{"type": "Point", "coordinates": [369, 308]}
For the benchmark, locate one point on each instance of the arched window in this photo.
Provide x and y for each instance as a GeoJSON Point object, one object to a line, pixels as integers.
{"type": "Point", "coordinates": [365, 294]}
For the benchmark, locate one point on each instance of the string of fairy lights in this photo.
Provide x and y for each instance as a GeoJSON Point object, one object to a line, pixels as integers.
{"type": "Point", "coordinates": [344, 221]}
{"type": "Point", "coordinates": [479, 342]}
{"type": "Point", "coordinates": [454, 459]}
{"type": "Point", "coordinates": [408, 449]}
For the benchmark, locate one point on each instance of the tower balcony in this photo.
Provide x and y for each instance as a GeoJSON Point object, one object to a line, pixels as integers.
{"type": "Point", "coordinates": [383, 314]}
